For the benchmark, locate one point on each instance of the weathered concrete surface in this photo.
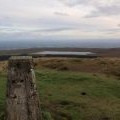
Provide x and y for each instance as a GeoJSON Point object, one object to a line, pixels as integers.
{"type": "Point", "coordinates": [22, 102]}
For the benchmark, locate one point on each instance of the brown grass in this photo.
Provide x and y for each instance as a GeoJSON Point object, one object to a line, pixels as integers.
{"type": "Point", "coordinates": [3, 66]}
{"type": "Point", "coordinates": [109, 66]}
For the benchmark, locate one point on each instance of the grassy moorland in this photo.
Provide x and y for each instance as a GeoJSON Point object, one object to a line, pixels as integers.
{"type": "Point", "coordinates": [68, 91]}
{"type": "Point", "coordinates": [79, 96]}
{"type": "Point", "coordinates": [107, 66]}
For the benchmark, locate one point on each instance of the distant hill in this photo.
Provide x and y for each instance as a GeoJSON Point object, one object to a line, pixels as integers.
{"type": "Point", "coordinates": [23, 44]}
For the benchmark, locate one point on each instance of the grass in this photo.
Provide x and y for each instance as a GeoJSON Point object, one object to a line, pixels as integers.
{"type": "Point", "coordinates": [108, 66]}
{"type": "Point", "coordinates": [73, 95]}
{"type": "Point", "coordinates": [2, 94]}
{"type": "Point", "coordinates": [79, 96]}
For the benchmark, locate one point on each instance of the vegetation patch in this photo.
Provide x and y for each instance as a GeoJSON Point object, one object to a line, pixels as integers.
{"type": "Point", "coordinates": [79, 96]}
{"type": "Point", "coordinates": [68, 92]}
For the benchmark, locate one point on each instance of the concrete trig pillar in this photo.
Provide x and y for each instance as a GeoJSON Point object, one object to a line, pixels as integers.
{"type": "Point", "coordinates": [22, 102]}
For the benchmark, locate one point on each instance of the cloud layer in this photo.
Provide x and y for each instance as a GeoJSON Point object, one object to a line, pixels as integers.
{"type": "Point", "coordinates": [76, 19]}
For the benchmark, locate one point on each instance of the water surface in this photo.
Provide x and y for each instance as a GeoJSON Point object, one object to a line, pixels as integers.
{"type": "Point", "coordinates": [63, 53]}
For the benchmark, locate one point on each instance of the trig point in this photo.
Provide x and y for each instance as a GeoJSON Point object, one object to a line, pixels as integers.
{"type": "Point", "coordinates": [22, 102]}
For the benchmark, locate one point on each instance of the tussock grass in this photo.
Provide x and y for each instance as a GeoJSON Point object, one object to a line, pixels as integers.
{"type": "Point", "coordinates": [108, 66]}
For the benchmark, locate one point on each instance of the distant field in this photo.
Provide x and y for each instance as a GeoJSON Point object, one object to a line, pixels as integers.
{"type": "Point", "coordinates": [74, 89]}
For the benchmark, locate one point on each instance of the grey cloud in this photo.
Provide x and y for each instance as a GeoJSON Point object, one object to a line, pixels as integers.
{"type": "Point", "coordinates": [105, 11]}
{"type": "Point", "coordinates": [6, 28]}
{"type": "Point", "coordinates": [112, 31]}
{"type": "Point", "coordinates": [5, 21]}
{"type": "Point", "coordinates": [43, 22]}
{"type": "Point", "coordinates": [53, 30]}
{"type": "Point", "coordinates": [108, 10]}
{"type": "Point", "coordinates": [56, 22]}
{"type": "Point", "coordinates": [61, 14]}
{"type": "Point", "coordinates": [14, 30]}
{"type": "Point", "coordinates": [118, 25]}
{"type": "Point", "coordinates": [72, 3]}
{"type": "Point", "coordinates": [46, 24]}
{"type": "Point", "coordinates": [92, 15]}
{"type": "Point", "coordinates": [102, 9]}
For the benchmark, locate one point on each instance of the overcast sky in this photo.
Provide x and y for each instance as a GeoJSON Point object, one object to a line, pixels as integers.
{"type": "Point", "coordinates": [59, 19]}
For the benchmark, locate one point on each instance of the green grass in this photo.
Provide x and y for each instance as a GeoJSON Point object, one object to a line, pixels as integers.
{"type": "Point", "coordinates": [74, 96]}
{"type": "Point", "coordinates": [2, 94]}
{"type": "Point", "coordinates": [61, 94]}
